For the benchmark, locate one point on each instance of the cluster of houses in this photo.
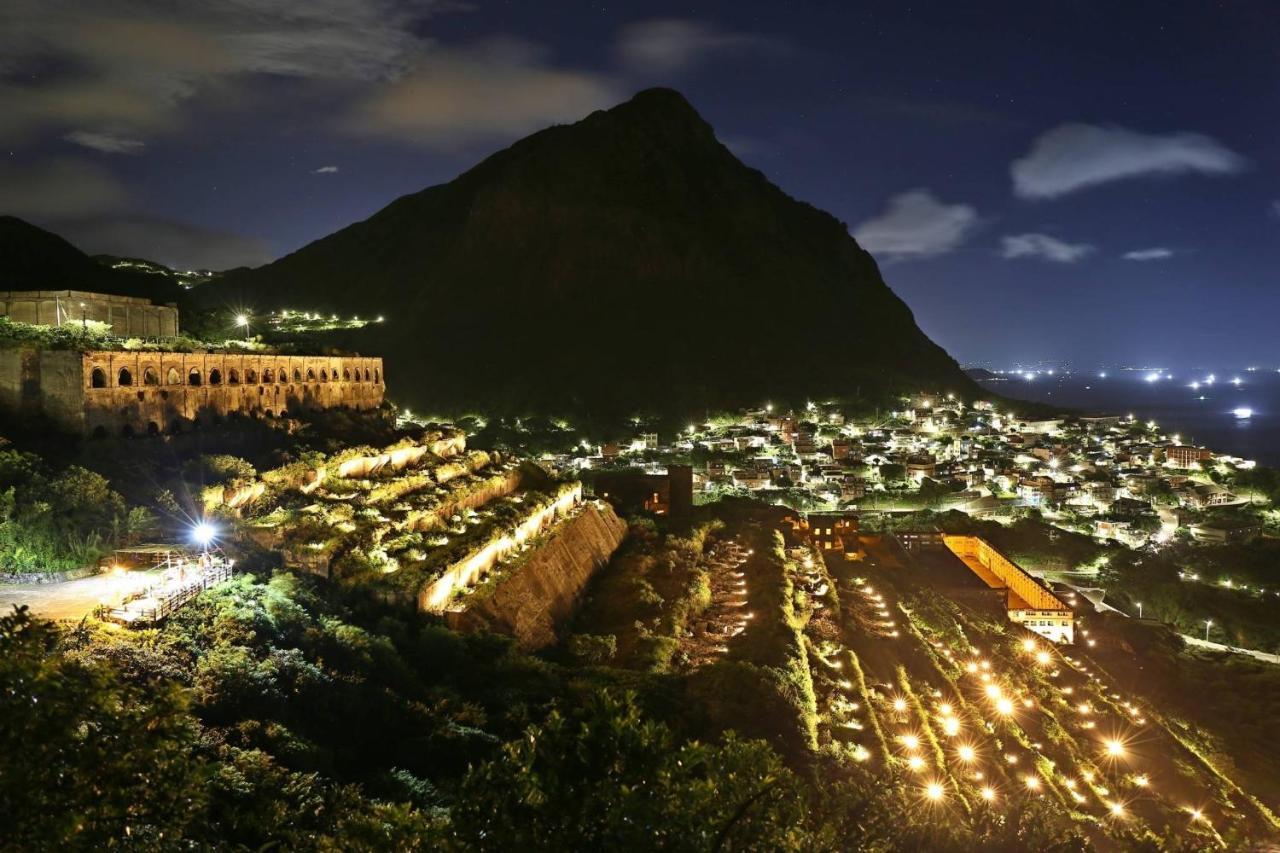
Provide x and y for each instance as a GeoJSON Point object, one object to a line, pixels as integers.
{"type": "Point", "coordinates": [1115, 478]}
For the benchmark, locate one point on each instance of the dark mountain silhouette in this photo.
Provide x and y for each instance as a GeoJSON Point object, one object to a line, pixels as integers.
{"type": "Point", "coordinates": [32, 258]}
{"type": "Point", "coordinates": [628, 260]}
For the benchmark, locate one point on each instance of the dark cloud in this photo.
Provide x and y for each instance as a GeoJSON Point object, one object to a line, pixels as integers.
{"type": "Point", "coordinates": [500, 88]}
{"type": "Point", "coordinates": [175, 244]}
{"type": "Point", "coordinates": [57, 188]}
{"type": "Point", "coordinates": [129, 64]}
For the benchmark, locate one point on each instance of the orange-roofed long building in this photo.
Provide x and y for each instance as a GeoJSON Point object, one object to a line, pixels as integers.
{"type": "Point", "coordinates": [1030, 603]}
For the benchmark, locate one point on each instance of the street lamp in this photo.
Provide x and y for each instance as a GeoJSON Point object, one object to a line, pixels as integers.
{"type": "Point", "coordinates": [203, 533]}
{"type": "Point", "coordinates": [242, 320]}
{"type": "Point", "coordinates": [1207, 624]}
{"type": "Point", "coordinates": [1139, 603]}
{"type": "Point", "coordinates": [84, 322]}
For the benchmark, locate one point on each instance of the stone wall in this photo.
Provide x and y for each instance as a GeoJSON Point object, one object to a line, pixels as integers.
{"type": "Point", "coordinates": [109, 392]}
{"type": "Point", "coordinates": [129, 316]}
{"type": "Point", "coordinates": [538, 597]}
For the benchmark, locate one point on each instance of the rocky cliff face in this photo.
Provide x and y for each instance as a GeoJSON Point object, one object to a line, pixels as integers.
{"type": "Point", "coordinates": [534, 600]}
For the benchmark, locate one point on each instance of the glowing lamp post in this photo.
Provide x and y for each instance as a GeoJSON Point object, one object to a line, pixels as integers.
{"type": "Point", "coordinates": [1208, 623]}
{"type": "Point", "coordinates": [1139, 603]}
{"type": "Point", "coordinates": [204, 533]}
{"type": "Point", "coordinates": [242, 320]}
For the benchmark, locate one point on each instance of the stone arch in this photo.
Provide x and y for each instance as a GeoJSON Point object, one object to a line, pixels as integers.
{"type": "Point", "coordinates": [124, 378]}
{"type": "Point", "coordinates": [346, 374]}
{"type": "Point", "coordinates": [297, 375]}
{"type": "Point", "coordinates": [268, 375]}
{"type": "Point", "coordinates": [250, 376]}
{"type": "Point", "coordinates": [377, 375]}
{"type": "Point", "coordinates": [150, 377]}
{"type": "Point", "coordinates": [98, 378]}
{"type": "Point", "coordinates": [215, 376]}
{"type": "Point", "coordinates": [153, 428]}
{"type": "Point", "coordinates": [233, 377]}
{"type": "Point", "coordinates": [311, 375]}
{"type": "Point", "coordinates": [324, 375]}
{"type": "Point", "coordinates": [193, 378]}
{"type": "Point", "coordinates": [174, 377]}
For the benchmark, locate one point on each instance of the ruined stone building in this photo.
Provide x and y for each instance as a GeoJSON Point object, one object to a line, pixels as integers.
{"type": "Point", "coordinates": [133, 392]}
{"type": "Point", "coordinates": [128, 316]}
{"type": "Point", "coordinates": [106, 392]}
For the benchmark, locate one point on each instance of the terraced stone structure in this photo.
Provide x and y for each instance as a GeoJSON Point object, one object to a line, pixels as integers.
{"type": "Point", "coordinates": [109, 392]}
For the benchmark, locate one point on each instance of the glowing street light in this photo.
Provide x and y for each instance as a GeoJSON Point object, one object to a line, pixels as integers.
{"type": "Point", "coordinates": [934, 791]}
{"type": "Point", "coordinates": [1139, 603]}
{"type": "Point", "coordinates": [1208, 623]}
{"type": "Point", "coordinates": [1115, 748]}
{"type": "Point", "coordinates": [204, 533]}
{"type": "Point", "coordinates": [242, 320]}
{"type": "Point", "coordinates": [988, 794]}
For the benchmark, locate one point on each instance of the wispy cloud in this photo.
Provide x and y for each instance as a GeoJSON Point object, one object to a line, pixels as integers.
{"type": "Point", "coordinates": [325, 170]}
{"type": "Point", "coordinates": [1045, 247]}
{"type": "Point", "coordinates": [917, 225]}
{"type": "Point", "coordinates": [108, 143]}
{"type": "Point", "coordinates": [1071, 157]}
{"type": "Point", "coordinates": [667, 45]}
{"type": "Point", "coordinates": [131, 66]}
{"type": "Point", "coordinates": [1157, 253]}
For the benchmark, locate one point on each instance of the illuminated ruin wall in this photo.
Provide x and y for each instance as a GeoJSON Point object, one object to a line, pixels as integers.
{"type": "Point", "coordinates": [436, 596]}
{"type": "Point", "coordinates": [533, 601]}
{"type": "Point", "coordinates": [1031, 603]}
{"type": "Point", "coordinates": [128, 316]}
{"type": "Point", "coordinates": [103, 393]}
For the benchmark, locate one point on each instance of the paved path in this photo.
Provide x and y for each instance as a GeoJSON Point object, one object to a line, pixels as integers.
{"type": "Point", "coordinates": [1262, 656]}
{"type": "Point", "coordinates": [70, 599]}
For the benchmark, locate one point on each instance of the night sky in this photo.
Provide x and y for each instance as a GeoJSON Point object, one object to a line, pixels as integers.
{"type": "Point", "coordinates": [1096, 182]}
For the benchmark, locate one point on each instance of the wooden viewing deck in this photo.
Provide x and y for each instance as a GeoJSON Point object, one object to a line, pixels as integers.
{"type": "Point", "coordinates": [159, 601]}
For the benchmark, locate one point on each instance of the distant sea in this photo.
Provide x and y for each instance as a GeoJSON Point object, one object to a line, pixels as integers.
{"type": "Point", "coordinates": [1204, 415]}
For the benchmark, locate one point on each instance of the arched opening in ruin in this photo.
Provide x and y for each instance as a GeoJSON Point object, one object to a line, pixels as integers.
{"type": "Point", "coordinates": [98, 378]}
{"type": "Point", "coordinates": [194, 377]}
{"type": "Point", "coordinates": [153, 428]}
{"type": "Point", "coordinates": [324, 375]}
{"type": "Point", "coordinates": [215, 377]}
{"type": "Point", "coordinates": [268, 375]}
{"type": "Point", "coordinates": [297, 375]}
{"type": "Point", "coordinates": [377, 375]}
{"type": "Point", "coordinates": [233, 377]}
{"type": "Point", "coordinates": [311, 375]}
{"type": "Point", "coordinates": [173, 378]}
{"type": "Point", "coordinates": [150, 377]}
{"type": "Point", "coordinates": [282, 375]}
{"type": "Point", "coordinates": [346, 374]}
{"type": "Point", "coordinates": [250, 376]}
{"type": "Point", "coordinates": [124, 378]}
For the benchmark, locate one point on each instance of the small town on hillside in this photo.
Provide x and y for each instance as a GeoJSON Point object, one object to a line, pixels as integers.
{"type": "Point", "coordinates": [1107, 476]}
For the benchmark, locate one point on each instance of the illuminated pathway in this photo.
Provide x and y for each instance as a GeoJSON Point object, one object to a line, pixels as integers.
{"type": "Point", "coordinates": [75, 599]}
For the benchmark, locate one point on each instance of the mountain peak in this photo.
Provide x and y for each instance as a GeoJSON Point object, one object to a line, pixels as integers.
{"type": "Point", "coordinates": [626, 260]}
